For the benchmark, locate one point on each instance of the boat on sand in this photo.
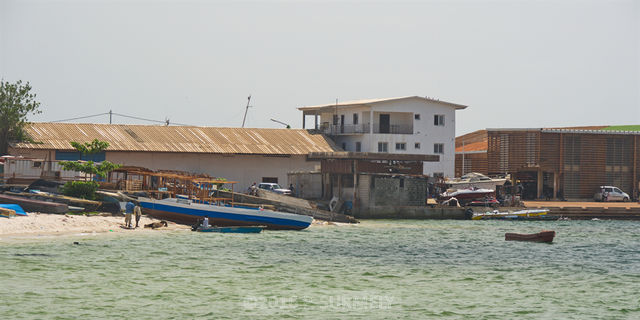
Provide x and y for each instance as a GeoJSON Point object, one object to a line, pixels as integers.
{"type": "Point", "coordinates": [543, 236]}
{"type": "Point", "coordinates": [189, 212]}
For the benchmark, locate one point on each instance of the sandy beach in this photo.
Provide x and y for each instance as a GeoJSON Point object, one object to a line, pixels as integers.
{"type": "Point", "coordinates": [44, 223]}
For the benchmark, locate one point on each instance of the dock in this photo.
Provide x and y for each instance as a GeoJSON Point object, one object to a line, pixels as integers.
{"type": "Point", "coordinates": [576, 210]}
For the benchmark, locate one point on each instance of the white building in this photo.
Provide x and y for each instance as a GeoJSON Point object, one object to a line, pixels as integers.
{"type": "Point", "coordinates": [237, 154]}
{"type": "Point", "coordinates": [411, 125]}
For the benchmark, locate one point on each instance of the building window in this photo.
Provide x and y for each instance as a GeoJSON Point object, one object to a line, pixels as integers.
{"type": "Point", "coordinates": [401, 146]}
{"type": "Point", "coordinates": [438, 120]}
{"type": "Point", "coordinates": [270, 179]}
{"type": "Point", "coordinates": [438, 148]}
{"type": "Point", "coordinates": [401, 183]}
{"type": "Point", "coordinates": [416, 116]}
{"type": "Point", "coordinates": [417, 145]}
{"type": "Point", "coordinates": [358, 146]}
{"type": "Point", "coordinates": [344, 146]}
{"type": "Point", "coordinates": [335, 119]}
{"type": "Point", "coordinates": [355, 118]}
{"type": "Point", "coordinates": [383, 147]}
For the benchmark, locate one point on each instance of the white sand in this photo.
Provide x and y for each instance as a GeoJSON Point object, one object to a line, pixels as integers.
{"type": "Point", "coordinates": [44, 223]}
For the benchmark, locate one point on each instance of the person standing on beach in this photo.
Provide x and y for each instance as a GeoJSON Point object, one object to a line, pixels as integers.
{"type": "Point", "coordinates": [138, 212]}
{"type": "Point", "coordinates": [128, 210]}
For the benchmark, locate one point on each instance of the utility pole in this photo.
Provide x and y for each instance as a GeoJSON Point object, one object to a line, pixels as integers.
{"type": "Point", "coordinates": [110, 114]}
{"type": "Point", "coordinates": [245, 110]}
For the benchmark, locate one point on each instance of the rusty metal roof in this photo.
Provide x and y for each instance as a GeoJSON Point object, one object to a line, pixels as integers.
{"type": "Point", "coordinates": [187, 139]}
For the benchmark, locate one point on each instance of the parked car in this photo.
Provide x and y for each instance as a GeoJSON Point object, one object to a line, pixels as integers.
{"type": "Point", "coordinates": [274, 187]}
{"type": "Point", "coordinates": [609, 193]}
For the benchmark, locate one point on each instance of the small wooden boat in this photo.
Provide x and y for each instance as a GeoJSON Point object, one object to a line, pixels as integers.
{"type": "Point", "coordinates": [236, 229]}
{"type": "Point", "coordinates": [11, 210]}
{"type": "Point", "coordinates": [31, 205]}
{"type": "Point", "coordinates": [543, 236]}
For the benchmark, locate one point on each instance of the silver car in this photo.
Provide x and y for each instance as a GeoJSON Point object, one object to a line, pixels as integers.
{"type": "Point", "coordinates": [609, 193]}
{"type": "Point", "coordinates": [274, 187]}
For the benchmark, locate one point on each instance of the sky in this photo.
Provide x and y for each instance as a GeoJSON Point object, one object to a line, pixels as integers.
{"type": "Point", "coordinates": [516, 64]}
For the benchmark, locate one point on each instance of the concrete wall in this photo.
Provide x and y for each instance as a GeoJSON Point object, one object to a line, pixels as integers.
{"type": "Point", "coordinates": [400, 212]}
{"type": "Point", "coordinates": [387, 191]}
{"type": "Point", "coordinates": [308, 185]}
{"type": "Point", "coordinates": [245, 169]}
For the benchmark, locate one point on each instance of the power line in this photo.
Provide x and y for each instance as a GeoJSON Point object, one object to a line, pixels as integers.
{"type": "Point", "coordinates": [78, 118]}
{"type": "Point", "coordinates": [165, 122]}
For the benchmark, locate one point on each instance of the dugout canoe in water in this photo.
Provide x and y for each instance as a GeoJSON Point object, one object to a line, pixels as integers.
{"type": "Point", "coordinates": [543, 236]}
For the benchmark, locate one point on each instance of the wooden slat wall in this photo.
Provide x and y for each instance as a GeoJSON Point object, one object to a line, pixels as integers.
{"type": "Point", "coordinates": [474, 162]}
{"type": "Point", "coordinates": [582, 161]}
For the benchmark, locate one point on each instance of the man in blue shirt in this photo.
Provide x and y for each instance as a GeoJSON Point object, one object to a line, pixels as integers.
{"type": "Point", "coordinates": [128, 211]}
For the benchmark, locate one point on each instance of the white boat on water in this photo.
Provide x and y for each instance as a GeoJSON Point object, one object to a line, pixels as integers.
{"type": "Point", "coordinates": [515, 215]}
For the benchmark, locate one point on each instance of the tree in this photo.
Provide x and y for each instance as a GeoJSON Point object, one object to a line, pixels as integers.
{"type": "Point", "coordinates": [89, 167]}
{"type": "Point", "coordinates": [87, 189]}
{"type": "Point", "coordinates": [16, 102]}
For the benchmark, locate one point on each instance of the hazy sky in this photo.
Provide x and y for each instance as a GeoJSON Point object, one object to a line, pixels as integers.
{"type": "Point", "coordinates": [514, 63]}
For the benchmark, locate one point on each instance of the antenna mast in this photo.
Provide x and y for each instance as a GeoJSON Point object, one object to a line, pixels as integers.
{"type": "Point", "coordinates": [245, 110]}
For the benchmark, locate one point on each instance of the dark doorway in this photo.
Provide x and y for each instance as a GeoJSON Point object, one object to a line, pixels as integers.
{"type": "Point", "coordinates": [270, 179]}
{"type": "Point", "coordinates": [384, 123]}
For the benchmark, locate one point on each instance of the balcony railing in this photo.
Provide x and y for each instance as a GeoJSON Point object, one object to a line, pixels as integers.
{"type": "Point", "coordinates": [335, 130]}
{"type": "Point", "coordinates": [393, 129]}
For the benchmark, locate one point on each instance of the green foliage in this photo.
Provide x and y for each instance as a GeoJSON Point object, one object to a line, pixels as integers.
{"type": "Point", "coordinates": [623, 128]}
{"type": "Point", "coordinates": [15, 104]}
{"type": "Point", "coordinates": [92, 147]}
{"type": "Point", "coordinates": [80, 189]}
{"type": "Point", "coordinates": [90, 167]}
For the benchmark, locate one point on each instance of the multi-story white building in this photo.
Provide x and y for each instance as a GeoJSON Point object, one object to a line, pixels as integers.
{"type": "Point", "coordinates": [411, 125]}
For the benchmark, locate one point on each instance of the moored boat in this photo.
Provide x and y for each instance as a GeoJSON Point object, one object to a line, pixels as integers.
{"type": "Point", "coordinates": [235, 229]}
{"type": "Point", "coordinates": [543, 236]}
{"type": "Point", "coordinates": [189, 212]}
{"type": "Point", "coordinates": [532, 214]}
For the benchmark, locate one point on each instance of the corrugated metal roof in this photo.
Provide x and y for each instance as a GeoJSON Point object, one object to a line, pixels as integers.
{"type": "Point", "coordinates": [473, 147]}
{"type": "Point", "coordinates": [187, 139]}
{"type": "Point", "coordinates": [372, 101]}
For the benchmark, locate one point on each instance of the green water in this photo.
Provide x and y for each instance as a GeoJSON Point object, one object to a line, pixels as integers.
{"type": "Point", "coordinates": [376, 270]}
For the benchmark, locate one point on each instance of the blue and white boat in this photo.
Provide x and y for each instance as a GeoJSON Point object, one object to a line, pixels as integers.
{"type": "Point", "coordinates": [189, 212]}
{"type": "Point", "coordinates": [241, 229]}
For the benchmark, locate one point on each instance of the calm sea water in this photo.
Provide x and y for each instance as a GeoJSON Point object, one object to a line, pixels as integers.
{"type": "Point", "coordinates": [375, 270]}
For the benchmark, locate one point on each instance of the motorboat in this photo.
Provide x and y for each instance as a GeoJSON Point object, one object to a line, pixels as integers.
{"type": "Point", "coordinates": [532, 214]}
{"type": "Point", "coordinates": [475, 180]}
{"type": "Point", "coordinates": [189, 211]}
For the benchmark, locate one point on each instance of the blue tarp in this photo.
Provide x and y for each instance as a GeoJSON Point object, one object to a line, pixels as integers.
{"type": "Point", "coordinates": [17, 208]}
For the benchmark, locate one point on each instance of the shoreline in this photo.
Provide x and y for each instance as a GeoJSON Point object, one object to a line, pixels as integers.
{"type": "Point", "coordinates": [49, 224]}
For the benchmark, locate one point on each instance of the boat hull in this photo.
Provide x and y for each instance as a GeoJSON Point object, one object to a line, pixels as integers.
{"type": "Point", "coordinates": [517, 215]}
{"type": "Point", "coordinates": [190, 214]}
{"type": "Point", "coordinates": [544, 236]}
{"type": "Point", "coordinates": [31, 205]}
{"type": "Point", "coordinates": [235, 229]}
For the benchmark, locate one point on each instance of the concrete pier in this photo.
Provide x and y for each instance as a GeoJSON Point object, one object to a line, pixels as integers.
{"type": "Point", "coordinates": [411, 212]}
